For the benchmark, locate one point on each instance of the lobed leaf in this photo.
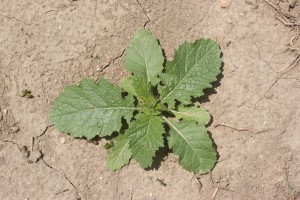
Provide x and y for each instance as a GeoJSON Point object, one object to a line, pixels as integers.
{"type": "Point", "coordinates": [194, 67]}
{"type": "Point", "coordinates": [144, 56]}
{"type": "Point", "coordinates": [200, 115]}
{"type": "Point", "coordinates": [91, 109]}
{"type": "Point", "coordinates": [145, 137]}
{"type": "Point", "coordinates": [193, 146]}
{"type": "Point", "coordinates": [120, 154]}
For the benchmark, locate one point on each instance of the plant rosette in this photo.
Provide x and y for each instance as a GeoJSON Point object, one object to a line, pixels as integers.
{"type": "Point", "coordinates": [155, 103]}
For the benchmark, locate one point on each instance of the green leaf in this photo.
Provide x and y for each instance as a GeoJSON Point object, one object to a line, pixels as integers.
{"type": "Point", "coordinates": [120, 154]}
{"type": "Point", "coordinates": [145, 137]}
{"type": "Point", "coordinates": [144, 56]}
{"type": "Point", "coordinates": [139, 87]}
{"type": "Point", "coordinates": [126, 85]}
{"type": "Point", "coordinates": [193, 146]}
{"type": "Point", "coordinates": [91, 109]}
{"type": "Point", "coordinates": [192, 113]}
{"type": "Point", "coordinates": [194, 67]}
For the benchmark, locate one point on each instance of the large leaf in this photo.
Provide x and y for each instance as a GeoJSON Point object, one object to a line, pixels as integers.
{"type": "Point", "coordinates": [120, 154]}
{"type": "Point", "coordinates": [193, 146]}
{"type": "Point", "coordinates": [139, 87]}
{"type": "Point", "coordinates": [91, 109]}
{"type": "Point", "coordinates": [194, 67]}
{"type": "Point", "coordinates": [144, 56]}
{"type": "Point", "coordinates": [145, 137]}
{"type": "Point", "coordinates": [201, 116]}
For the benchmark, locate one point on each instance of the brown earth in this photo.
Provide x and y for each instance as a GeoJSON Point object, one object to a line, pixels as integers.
{"type": "Point", "coordinates": [46, 45]}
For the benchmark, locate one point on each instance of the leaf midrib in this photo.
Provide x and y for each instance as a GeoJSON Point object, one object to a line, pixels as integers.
{"type": "Point", "coordinates": [187, 73]}
{"type": "Point", "coordinates": [107, 108]}
{"type": "Point", "coordinates": [119, 154]}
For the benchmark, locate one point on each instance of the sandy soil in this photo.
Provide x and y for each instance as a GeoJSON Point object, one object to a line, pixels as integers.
{"type": "Point", "coordinates": [46, 45]}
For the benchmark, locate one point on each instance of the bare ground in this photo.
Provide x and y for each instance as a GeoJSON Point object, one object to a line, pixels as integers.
{"type": "Point", "coordinates": [46, 45]}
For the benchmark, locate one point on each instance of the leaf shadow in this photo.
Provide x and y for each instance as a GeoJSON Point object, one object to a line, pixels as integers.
{"type": "Point", "coordinates": [162, 152]}
{"type": "Point", "coordinates": [215, 146]}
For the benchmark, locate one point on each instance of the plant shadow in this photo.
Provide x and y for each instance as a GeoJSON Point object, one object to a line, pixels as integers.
{"type": "Point", "coordinates": [215, 146]}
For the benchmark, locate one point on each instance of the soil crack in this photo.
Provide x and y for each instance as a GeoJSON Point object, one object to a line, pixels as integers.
{"type": "Point", "coordinates": [113, 60]}
{"type": "Point", "coordinates": [19, 20]}
{"type": "Point", "coordinates": [145, 13]}
{"type": "Point", "coordinates": [65, 176]}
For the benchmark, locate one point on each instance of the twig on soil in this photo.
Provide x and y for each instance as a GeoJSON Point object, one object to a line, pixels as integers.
{"type": "Point", "coordinates": [60, 192]}
{"type": "Point", "coordinates": [241, 129]}
{"type": "Point", "coordinates": [197, 180]}
{"type": "Point", "coordinates": [117, 186]}
{"type": "Point", "coordinates": [240, 193]}
{"type": "Point", "coordinates": [287, 23]}
{"type": "Point", "coordinates": [289, 187]}
{"type": "Point", "coordinates": [284, 15]}
{"type": "Point", "coordinates": [226, 188]}
{"type": "Point", "coordinates": [291, 45]}
{"type": "Point", "coordinates": [215, 192]}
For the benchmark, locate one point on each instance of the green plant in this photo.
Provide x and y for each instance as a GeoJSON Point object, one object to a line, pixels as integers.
{"type": "Point", "coordinates": [155, 102]}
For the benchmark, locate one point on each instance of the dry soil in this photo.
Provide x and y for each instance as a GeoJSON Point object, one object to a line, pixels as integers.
{"type": "Point", "coordinates": [46, 45]}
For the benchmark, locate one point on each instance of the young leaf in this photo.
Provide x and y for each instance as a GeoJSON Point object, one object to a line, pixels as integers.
{"type": "Point", "coordinates": [193, 146]}
{"type": "Point", "coordinates": [91, 109]}
{"type": "Point", "coordinates": [144, 56]}
{"type": "Point", "coordinates": [145, 137]}
{"type": "Point", "coordinates": [139, 87]}
{"type": "Point", "coordinates": [199, 115]}
{"type": "Point", "coordinates": [120, 154]}
{"type": "Point", "coordinates": [194, 67]}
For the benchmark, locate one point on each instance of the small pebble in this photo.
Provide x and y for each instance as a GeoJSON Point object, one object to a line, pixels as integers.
{"type": "Point", "coordinates": [269, 95]}
{"type": "Point", "coordinates": [4, 111]}
{"type": "Point", "coordinates": [14, 129]}
{"type": "Point", "coordinates": [225, 3]}
{"type": "Point", "coordinates": [62, 140]}
{"type": "Point", "coordinates": [1, 116]}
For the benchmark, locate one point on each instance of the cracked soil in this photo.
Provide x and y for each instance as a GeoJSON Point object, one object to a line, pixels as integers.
{"type": "Point", "coordinates": [46, 45]}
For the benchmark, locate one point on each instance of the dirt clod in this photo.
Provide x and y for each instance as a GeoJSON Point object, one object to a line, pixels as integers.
{"type": "Point", "coordinates": [25, 151]}
{"type": "Point", "coordinates": [14, 129]}
{"type": "Point", "coordinates": [252, 3]}
{"type": "Point", "coordinates": [225, 3]}
{"type": "Point", "coordinates": [37, 155]}
{"type": "Point", "coordinates": [62, 140]}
